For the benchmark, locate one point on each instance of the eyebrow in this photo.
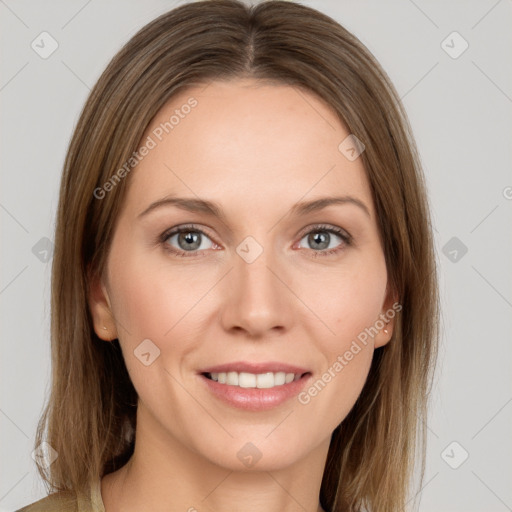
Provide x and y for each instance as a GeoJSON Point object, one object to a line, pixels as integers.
{"type": "Point", "coordinates": [213, 209]}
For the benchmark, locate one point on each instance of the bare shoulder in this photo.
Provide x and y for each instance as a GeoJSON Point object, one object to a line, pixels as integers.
{"type": "Point", "coordinates": [56, 502]}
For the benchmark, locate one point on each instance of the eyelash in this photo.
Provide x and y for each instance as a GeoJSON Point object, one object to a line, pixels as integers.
{"type": "Point", "coordinates": [347, 239]}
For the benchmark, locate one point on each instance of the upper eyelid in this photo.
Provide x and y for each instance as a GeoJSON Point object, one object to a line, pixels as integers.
{"type": "Point", "coordinates": [324, 227]}
{"type": "Point", "coordinates": [303, 232]}
{"type": "Point", "coordinates": [178, 229]}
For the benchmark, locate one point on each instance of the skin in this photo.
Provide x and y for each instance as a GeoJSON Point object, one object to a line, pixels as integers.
{"type": "Point", "coordinates": [255, 149]}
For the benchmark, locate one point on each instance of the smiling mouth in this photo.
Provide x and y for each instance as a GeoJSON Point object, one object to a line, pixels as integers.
{"type": "Point", "coordinates": [265, 380]}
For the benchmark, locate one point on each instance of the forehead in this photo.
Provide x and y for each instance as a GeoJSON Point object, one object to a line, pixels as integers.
{"type": "Point", "coordinates": [246, 143]}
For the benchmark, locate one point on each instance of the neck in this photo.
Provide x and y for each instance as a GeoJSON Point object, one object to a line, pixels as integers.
{"type": "Point", "coordinates": [163, 474]}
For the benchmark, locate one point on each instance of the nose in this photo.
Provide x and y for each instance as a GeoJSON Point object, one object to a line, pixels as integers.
{"type": "Point", "coordinates": [257, 298]}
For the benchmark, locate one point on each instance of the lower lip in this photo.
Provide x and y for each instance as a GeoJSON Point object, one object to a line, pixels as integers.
{"type": "Point", "coordinates": [256, 399]}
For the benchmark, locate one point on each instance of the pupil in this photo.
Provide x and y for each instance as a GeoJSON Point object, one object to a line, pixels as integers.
{"type": "Point", "coordinates": [189, 238]}
{"type": "Point", "coordinates": [320, 238]}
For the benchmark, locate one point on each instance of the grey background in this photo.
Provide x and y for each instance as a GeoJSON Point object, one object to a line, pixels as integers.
{"type": "Point", "coordinates": [460, 111]}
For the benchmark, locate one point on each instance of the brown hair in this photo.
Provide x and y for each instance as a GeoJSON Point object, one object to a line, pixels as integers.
{"type": "Point", "coordinates": [90, 415]}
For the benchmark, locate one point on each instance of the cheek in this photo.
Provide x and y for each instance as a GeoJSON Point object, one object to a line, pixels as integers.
{"type": "Point", "coordinates": [154, 301]}
{"type": "Point", "coordinates": [141, 306]}
{"type": "Point", "coordinates": [349, 301]}
{"type": "Point", "coordinates": [152, 297]}
{"type": "Point", "coordinates": [151, 303]}
{"type": "Point", "coordinates": [347, 352]}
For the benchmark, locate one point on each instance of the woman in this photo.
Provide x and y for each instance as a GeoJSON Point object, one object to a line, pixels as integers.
{"type": "Point", "coordinates": [244, 297]}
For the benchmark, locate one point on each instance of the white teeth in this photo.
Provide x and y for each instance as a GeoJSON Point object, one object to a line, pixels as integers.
{"type": "Point", "coordinates": [279, 378]}
{"type": "Point", "coordinates": [265, 380]}
{"type": "Point", "coordinates": [246, 380]}
{"type": "Point", "coordinates": [252, 380]}
{"type": "Point", "coordinates": [232, 378]}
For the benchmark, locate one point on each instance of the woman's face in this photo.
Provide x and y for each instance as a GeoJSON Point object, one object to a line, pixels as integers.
{"type": "Point", "coordinates": [256, 280]}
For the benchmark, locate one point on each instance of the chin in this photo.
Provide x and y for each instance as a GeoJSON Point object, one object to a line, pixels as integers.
{"type": "Point", "coordinates": [250, 452]}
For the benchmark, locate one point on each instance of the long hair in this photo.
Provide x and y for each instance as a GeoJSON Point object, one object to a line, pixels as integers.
{"type": "Point", "coordinates": [89, 418]}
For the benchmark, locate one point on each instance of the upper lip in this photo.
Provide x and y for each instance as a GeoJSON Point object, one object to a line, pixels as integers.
{"type": "Point", "coordinates": [243, 366]}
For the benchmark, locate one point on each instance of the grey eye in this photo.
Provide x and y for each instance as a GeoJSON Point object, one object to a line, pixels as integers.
{"type": "Point", "coordinates": [190, 240]}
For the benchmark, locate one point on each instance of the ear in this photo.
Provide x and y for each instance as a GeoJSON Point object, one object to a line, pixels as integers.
{"type": "Point", "coordinates": [387, 319]}
{"type": "Point", "coordinates": [99, 305]}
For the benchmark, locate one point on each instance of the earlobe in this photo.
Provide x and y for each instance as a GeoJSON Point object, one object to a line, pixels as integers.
{"type": "Point", "coordinates": [99, 306]}
{"type": "Point", "coordinates": [387, 320]}
{"type": "Point", "coordinates": [384, 336]}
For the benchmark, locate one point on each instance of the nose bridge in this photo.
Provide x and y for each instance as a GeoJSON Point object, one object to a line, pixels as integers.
{"type": "Point", "coordinates": [254, 279]}
{"type": "Point", "coordinates": [256, 302]}
{"type": "Point", "coordinates": [253, 272]}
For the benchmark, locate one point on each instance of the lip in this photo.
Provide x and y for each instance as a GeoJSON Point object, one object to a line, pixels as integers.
{"type": "Point", "coordinates": [243, 366]}
{"type": "Point", "coordinates": [255, 399]}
